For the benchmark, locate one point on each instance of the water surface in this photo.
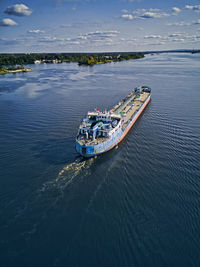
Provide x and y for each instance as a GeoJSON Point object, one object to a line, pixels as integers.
{"type": "Point", "coordinates": [137, 205]}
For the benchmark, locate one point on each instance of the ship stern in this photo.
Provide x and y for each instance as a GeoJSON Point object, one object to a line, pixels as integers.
{"type": "Point", "coordinates": [86, 151]}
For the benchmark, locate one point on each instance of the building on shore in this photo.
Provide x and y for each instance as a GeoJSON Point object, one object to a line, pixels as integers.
{"type": "Point", "coordinates": [42, 61]}
{"type": "Point", "coordinates": [37, 62]}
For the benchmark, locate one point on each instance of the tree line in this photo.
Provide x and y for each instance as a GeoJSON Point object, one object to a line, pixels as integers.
{"type": "Point", "coordinates": [81, 58]}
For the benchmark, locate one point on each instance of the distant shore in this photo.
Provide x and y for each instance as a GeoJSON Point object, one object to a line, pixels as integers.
{"type": "Point", "coordinates": [92, 60]}
{"type": "Point", "coordinates": [88, 59]}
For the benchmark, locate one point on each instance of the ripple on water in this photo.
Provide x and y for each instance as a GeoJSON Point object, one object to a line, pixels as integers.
{"type": "Point", "coordinates": [136, 205]}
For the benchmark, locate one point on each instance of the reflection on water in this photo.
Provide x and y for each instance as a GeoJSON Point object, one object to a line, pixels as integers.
{"type": "Point", "coordinates": [137, 205]}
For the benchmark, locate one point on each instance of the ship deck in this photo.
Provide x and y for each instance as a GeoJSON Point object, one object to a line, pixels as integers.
{"type": "Point", "coordinates": [129, 107]}
{"type": "Point", "coordinates": [90, 142]}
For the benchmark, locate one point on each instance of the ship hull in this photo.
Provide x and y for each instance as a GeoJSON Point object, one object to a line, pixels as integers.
{"type": "Point", "coordinates": [95, 150]}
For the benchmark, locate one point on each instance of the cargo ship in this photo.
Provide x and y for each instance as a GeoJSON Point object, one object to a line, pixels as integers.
{"type": "Point", "coordinates": [100, 131]}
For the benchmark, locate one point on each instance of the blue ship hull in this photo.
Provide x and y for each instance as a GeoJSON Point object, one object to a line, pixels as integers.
{"type": "Point", "coordinates": [95, 150]}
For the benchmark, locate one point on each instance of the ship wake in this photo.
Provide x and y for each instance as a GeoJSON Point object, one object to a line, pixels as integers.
{"type": "Point", "coordinates": [80, 167]}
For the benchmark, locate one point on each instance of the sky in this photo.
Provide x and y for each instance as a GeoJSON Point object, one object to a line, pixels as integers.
{"type": "Point", "coordinates": [30, 26]}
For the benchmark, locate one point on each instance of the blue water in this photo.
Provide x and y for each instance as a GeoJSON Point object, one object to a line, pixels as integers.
{"type": "Point", "coordinates": [137, 205]}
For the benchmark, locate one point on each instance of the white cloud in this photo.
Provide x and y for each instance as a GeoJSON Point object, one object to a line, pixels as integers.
{"type": "Point", "coordinates": [94, 38]}
{"type": "Point", "coordinates": [184, 23]}
{"type": "Point", "coordinates": [124, 11]}
{"type": "Point", "coordinates": [179, 37]}
{"type": "Point", "coordinates": [178, 40]}
{"type": "Point", "coordinates": [7, 22]}
{"type": "Point", "coordinates": [160, 43]}
{"type": "Point", "coordinates": [139, 11]}
{"type": "Point", "coordinates": [101, 34]}
{"type": "Point", "coordinates": [153, 15]}
{"type": "Point", "coordinates": [127, 16]}
{"type": "Point", "coordinates": [195, 8]}
{"type": "Point", "coordinates": [146, 14]}
{"type": "Point", "coordinates": [176, 34]}
{"type": "Point", "coordinates": [50, 39]}
{"type": "Point", "coordinates": [83, 39]}
{"type": "Point", "coordinates": [102, 41]}
{"type": "Point", "coordinates": [173, 37]}
{"type": "Point", "coordinates": [176, 10]}
{"type": "Point", "coordinates": [35, 31]}
{"type": "Point", "coordinates": [179, 23]}
{"type": "Point", "coordinates": [73, 43]}
{"type": "Point", "coordinates": [18, 10]}
{"type": "Point", "coordinates": [197, 21]}
{"type": "Point", "coordinates": [152, 37]}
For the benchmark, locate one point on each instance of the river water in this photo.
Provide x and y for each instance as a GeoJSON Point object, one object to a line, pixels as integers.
{"type": "Point", "coordinates": [137, 205]}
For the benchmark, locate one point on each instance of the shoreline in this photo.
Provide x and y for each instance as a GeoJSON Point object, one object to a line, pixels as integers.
{"type": "Point", "coordinates": [15, 71]}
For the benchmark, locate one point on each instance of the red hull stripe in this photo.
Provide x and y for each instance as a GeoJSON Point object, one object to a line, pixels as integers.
{"type": "Point", "coordinates": [128, 129]}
